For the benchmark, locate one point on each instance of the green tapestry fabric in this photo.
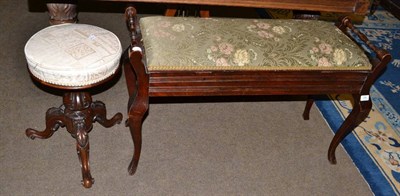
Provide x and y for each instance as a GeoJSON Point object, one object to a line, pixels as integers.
{"type": "Point", "coordinates": [184, 43]}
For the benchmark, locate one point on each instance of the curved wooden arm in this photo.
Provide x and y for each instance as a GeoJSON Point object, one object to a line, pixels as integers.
{"type": "Point", "coordinates": [135, 70]}
{"type": "Point", "coordinates": [382, 56]}
{"type": "Point", "coordinates": [345, 22]}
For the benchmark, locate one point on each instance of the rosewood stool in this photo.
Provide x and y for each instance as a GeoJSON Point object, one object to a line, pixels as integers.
{"type": "Point", "coordinates": [74, 58]}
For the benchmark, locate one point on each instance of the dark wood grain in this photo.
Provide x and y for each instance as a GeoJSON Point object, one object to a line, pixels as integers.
{"type": "Point", "coordinates": [346, 6]}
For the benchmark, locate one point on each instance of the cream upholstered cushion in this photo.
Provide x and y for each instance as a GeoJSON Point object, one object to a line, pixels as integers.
{"type": "Point", "coordinates": [184, 43]}
{"type": "Point", "coordinates": [73, 54]}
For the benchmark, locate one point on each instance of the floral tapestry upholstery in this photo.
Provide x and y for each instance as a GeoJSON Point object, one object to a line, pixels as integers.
{"type": "Point", "coordinates": [184, 43]}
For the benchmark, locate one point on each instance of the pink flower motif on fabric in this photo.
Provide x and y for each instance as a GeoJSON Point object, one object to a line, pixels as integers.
{"type": "Point", "coordinates": [265, 34]}
{"type": "Point", "coordinates": [324, 62]}
{"type": "Point", "coordinates": [225, 48]}
{"type": "Point", "coordinates": [222, 62]}
{"type": "Point", "coordinates": [325, 48]}
{"type": "Point", "coordinates": [263, 25]}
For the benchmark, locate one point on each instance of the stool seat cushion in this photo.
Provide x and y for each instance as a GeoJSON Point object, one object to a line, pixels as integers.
{"type": "Point", "coordinates": [184, 43]}
{"type": "Point", "coordinates": [73, 54]}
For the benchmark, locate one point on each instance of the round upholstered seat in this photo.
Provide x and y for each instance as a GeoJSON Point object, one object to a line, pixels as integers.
{"type": "Point", "coordinates": [73, 55]}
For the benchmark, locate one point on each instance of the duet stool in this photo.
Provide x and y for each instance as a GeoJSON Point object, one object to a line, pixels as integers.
{"type": "Point", "coordinates": [187, 56]}
{"type": "Point", "coordinates": [73, 58]}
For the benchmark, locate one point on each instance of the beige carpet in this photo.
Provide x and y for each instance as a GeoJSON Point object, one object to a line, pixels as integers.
{"type": "Point", "coordinates": [212, 148]}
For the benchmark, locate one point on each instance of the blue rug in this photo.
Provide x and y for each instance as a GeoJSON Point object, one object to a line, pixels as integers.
{"type": "Point", "coordinates": [374, 146]}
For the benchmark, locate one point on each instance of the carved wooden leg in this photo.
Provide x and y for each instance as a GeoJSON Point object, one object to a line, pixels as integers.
{"type": "Point", "coordinates": [79, 123]}
{"type": "Point", "coordinates": [62, 13]}
{"type": "Point", "coordinates": [138, 106]}
{"type": "Point", "coordinates": [83, 155]}
{"type": "Point", "coordinates": [54, 120]}
{"type": "Point", "coordinates": [100, 115]}
{"type": "Point", "coordinates": [81, 113]}
{"type": "Point", "coordinates": [306, 113]}
{"type": "Point", "coordinates": [130, 78]}
{"type": "Point", "coordinates": [358, 114]}
{"type": "Point", "coordinates": [135, 127]}
{"type": "Point", "coordinates": [137, 82]}
{"type": "Point", "coordinates": [136, 134]}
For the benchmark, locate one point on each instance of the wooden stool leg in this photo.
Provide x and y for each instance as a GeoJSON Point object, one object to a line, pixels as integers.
{"type": "Point", "coordinates": [54, 119]}
{"type": "Point", "coordinates": [83, 155]}
{"type": "Point", "coordinates": [306, 113]}
{"type": "Point", "coordinates": [358, 114]}
{"type": "Point", "coordinates": [100, 112]}
{"type": "Point", "coordinates": [80, 122]}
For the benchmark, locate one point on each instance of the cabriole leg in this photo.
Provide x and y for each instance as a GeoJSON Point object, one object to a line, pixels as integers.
{"type": "Point", "coordinates": [54, 120]}
{"type": "Point", "coordinates": [137, 108]}
{"type": "Point", "coordinates": [100, 112]}
{"type": "Point", "coordinates": [306, 113]}
{"type": "Point", "coordinates": [83, 155]}
{"type": "Point", "coordinates": [358, 114]}
{"type": "Point", "coordinates": [135, 127]}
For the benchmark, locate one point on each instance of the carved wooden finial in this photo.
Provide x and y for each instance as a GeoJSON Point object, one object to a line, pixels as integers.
{"type": "Point", "coordinates": [132, 24]}
{"type": "Point", "coordinates": [130, 15]}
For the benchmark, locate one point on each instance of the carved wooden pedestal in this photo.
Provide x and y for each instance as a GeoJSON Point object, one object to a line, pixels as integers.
{"type": "Point", "coordinates": [77, 114]}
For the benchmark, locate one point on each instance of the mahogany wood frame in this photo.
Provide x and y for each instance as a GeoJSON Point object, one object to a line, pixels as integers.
{"type": "Point", "coordinates": [142, 84]}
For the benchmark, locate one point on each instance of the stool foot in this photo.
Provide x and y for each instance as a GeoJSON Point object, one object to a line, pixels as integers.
{"type": "Point", "coordinates": [54, 119]}
{"type": "Point", "coordinates": [83, 155]}
{"type": "Point", "coordinates": [133, 166]}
